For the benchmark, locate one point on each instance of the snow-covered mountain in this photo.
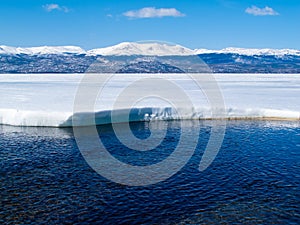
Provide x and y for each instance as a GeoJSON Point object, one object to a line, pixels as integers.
{"type": "Point", "coordinates": [147, 48]}
{"type": "Point", "coordinates": [249, 51]}
{"type": "Point", "coordinates": [146, 58]}
{"type": "Point", "coordinates": [125, 48]}
{"type": "Point", "coordinates": [43, 50]}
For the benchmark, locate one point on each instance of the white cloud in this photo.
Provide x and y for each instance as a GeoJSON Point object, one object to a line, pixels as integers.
{"type": "Point", "coordinates": [256, 11]}
{"type": "Point", "coordinates": [52, 7]}
{"type": "Point", "coordinates": [151, 12]}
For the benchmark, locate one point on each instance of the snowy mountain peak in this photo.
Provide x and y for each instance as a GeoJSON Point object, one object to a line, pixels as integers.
{"type": "Point", "coordinates": [143, 48]}
{"type": "Point", "coordinates": [41, 50]}
{"type": "Point", "coordinates": [147, 48]}
{"type": "Point", "coordinates": [250, 51]}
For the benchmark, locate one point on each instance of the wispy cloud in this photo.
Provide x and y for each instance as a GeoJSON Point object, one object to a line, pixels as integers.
{"type": "Point", "coordinates": [53, 7]}
{"type": "Point", "coordinates": [151, 12]}
{"type": "Point", "coordinates": [256, 11]}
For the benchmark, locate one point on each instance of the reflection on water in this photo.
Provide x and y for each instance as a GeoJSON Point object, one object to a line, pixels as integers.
{"type": "Point", "coordinates": [254, 179]}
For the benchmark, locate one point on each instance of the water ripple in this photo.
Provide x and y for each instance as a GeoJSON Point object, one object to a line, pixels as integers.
{"type": "Point", "coordinates": [254, 179]}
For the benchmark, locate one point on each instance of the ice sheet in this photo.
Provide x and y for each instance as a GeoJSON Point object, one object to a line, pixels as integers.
{"type": "Point", "coordinates": [48, 99]}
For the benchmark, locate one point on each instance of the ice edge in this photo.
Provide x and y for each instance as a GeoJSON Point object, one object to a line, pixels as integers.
{"type": "Point", "coordinates": [66, 119]}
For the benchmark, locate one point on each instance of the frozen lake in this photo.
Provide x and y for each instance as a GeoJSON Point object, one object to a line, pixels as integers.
{"type": "Point", "coordinates": [48, 99]}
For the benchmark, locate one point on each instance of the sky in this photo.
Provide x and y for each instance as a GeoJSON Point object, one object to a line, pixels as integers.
{"type": "Point", "coordinates": [211, 24]}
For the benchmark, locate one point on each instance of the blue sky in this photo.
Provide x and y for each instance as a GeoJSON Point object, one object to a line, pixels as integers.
{"type": "Point", "coordinates": [211, 24]}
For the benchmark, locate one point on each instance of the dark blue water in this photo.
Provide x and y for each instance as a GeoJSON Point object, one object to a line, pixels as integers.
{"type": "Point", "coordinates": [255, 178]}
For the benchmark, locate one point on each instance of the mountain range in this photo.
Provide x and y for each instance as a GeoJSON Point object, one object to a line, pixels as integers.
{"type": "Point", "coordinates": [148, 57]}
